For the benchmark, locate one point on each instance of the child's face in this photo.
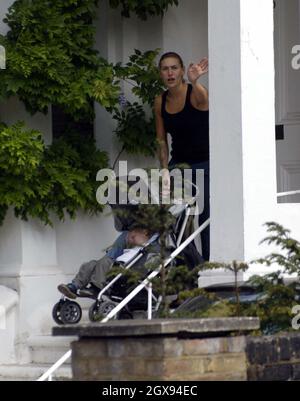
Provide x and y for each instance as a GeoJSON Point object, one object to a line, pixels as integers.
{"type": "Point", "coordinates": [137, 237]}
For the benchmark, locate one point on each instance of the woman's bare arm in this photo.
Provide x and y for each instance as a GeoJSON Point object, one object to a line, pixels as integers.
{"type": "Point", "coordinates": [195, 71]}
{"type": "Point", "coordinates": [163, 149]}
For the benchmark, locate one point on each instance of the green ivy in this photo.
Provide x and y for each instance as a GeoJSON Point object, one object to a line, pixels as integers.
{"type": "Point", "coordinates": [38, 181]}
{"type": "Point", "coordinates": [50, 55]}
{"type": "Point", "coordinates": [106, 89]}
{"type": "Point", "coordinates": [143, 8]}
{"type": "Point", "coordinates": [135, 132]}
{"type": "Point", "coordinates": [142, 72]}
{"type": "Point", "coordinates": [51, 60]}
{"type": "Point", "coordinates": [21, 151]}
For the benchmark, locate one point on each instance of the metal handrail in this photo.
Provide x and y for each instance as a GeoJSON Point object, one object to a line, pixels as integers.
{"type": "Point", "coordinates": [146, 283]}
{"type": "Point", "coordinates": [281, 194]}
{"type": "Point", "coordinates": [54, 367]}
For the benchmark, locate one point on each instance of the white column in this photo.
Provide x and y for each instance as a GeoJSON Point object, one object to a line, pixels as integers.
{"type": "Point", "coordinates": [242, 126]}
{"type": "Point", "coordinates": [28, 265]}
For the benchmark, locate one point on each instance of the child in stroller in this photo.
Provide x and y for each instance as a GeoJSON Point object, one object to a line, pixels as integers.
{"type": "Point", "coordinates": [132, 247]}
{"type": "Point", "coordinates": [94, 272]}
{"type": "Point", "coordinates": [90, 280]}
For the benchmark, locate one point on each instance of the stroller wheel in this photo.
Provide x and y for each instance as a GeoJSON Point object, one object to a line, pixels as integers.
{"type": "Point", "coordinates": [70, 312]}
{"type": "Point", "coordinates": [99, 310]}
{"type": "Point", "coordinates": [56, 313]}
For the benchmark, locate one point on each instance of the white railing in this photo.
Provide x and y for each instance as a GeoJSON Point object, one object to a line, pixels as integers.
{"type": "Point", "coordinates": [281, 194]}
{"type": "Point", "coordinates": [48, 374]}
{"type": "Point", "coordinates": [145, 284]}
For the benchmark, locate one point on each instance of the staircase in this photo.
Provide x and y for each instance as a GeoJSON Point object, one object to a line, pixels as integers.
{"type": "Point", "coordinates": [45, 351]}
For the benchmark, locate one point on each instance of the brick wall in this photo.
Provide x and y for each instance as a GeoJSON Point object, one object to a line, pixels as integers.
{"type": "Point", "coordinates": [273, 357]}
{"type": "Point", "coordinates": [159, 359]}
{"type": "Point", "coordinates": [161, 349]}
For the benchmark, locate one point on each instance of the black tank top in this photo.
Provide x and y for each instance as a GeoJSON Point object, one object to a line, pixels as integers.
{"type": "Point", "coordinates": [189, 130]}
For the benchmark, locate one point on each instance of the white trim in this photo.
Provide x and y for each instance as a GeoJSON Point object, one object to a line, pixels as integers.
{"type": "Point", "coordinates": [290, 118]}
{"type": "Point", "coordinates": [283, 67]}
{"type": "Point", "coordinates": [287, 169]}
{"type": "Point", "coordinates": [281, 95]}
{"type": "Point", "coordinates": [281, 194]}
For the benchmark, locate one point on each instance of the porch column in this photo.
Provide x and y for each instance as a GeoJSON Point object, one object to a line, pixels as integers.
{"type": "Point", "coordinates": [242, 126]}
{"type": "Point", "coordinates": [28, 265]}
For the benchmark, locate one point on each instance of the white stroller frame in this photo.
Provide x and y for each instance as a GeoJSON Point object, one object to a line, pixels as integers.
{"type": "Point", "coordinates": [176, 209]}
{"type": "Point", "coordinates": [67, 311]}
{"type": "Point", "coordinates": [146, 283]}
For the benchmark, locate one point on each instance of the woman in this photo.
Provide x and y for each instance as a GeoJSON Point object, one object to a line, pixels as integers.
{"type": "Point", "coordinates": [182, 111]}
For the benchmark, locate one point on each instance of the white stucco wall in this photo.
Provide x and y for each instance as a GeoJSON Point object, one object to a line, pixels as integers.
{"type": "Point", "coordinates": [109, 44]}
{"type": "Point", "coordinates": [185, 31]}
{"type": "Point", "coordinates": [8, 324]}
{"type": "Point", "coordinates": [4, 4]}
{"type": "Point", "coordinates": [83, 239]}
{"type": "Point", "coordinates": [288, 215]}
{"type": "Point", "coordinates": [10, 244]}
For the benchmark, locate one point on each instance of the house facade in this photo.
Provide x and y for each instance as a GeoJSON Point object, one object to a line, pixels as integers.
{"type": "Point", "coordinates": [253, 88]}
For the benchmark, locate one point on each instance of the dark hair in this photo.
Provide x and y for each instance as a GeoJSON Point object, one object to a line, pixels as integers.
{"type": "Point", "coordinates": [171, 54]}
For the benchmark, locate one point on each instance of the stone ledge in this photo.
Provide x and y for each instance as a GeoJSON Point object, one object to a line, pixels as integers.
{"type": "Point", "coordinates": [160, 327]}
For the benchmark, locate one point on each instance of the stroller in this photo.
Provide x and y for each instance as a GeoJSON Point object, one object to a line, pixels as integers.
{"type": "Point", "coordinates": [112, 296]}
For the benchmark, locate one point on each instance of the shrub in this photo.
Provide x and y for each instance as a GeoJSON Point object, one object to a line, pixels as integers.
{"type": "Point", "coordinates": [37, 180]}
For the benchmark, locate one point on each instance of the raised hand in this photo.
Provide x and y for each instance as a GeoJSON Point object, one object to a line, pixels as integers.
{"type": "Point", "coordinates": [196, 70]}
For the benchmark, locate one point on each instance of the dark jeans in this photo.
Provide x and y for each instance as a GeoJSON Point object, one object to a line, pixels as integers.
{"type": "Point", "coordinates": [205, 234]}
{"type": "Point", "coordinates": [95, 271]}
{"type": "Point", "coordinates": [118, 246]}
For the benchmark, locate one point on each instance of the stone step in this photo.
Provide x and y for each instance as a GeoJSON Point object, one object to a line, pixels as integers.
{"type": "Point", "coordinates": [48, 349]}
{"type": "Point", "coordinates": [32, 372]}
